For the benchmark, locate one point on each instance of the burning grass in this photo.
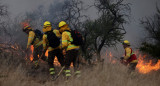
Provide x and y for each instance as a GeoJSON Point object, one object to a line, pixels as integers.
{"type": "Point", "coordinates": [15, 71]}
{"type": "Point", "coordinates": [56, 63]}
{"type": "Point", "coordinates": [145, 63]}
{"type": "Point", "coordinates": [111, 75]}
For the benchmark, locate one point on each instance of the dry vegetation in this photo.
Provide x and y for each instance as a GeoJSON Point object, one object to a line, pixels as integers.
{"type": "Point", "coordinates": [15, 71]}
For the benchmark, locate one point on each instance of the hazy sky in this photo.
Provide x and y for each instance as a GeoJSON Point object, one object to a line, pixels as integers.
{"type": "Point", "coordinates": [139, 9]}
{"type": "Point", "coordinates": [16, 7]}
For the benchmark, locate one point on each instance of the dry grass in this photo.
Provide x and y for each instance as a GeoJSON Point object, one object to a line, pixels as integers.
{"type": "Point", "coordinates": [110, 75]}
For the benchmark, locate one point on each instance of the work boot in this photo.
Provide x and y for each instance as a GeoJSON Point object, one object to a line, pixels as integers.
{"type": "Point", "coordinates": [77, 74]}
{"type": "Point", "coordinates": [53, 77]}
{"type": "Point", "coordinates": [52, 73]}
{"type": "Point", "coordinates": [68, 74]}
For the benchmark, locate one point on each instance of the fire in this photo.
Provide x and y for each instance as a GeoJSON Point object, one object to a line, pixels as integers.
{"type": "Point", "coordinates": [110, 56]}
{"type": "Point", "coordinates": [55, 59]}
{"type": "Point", "coordinates": [25, 23]}
{"type": "Point", "coordinates": [31, 56]}
{"type": "Point", "coordinates": [146, 67]}
{"type": "Point", "coordinates": [142, 66]}
{"type": "Point", "coordinates": [46, 54]}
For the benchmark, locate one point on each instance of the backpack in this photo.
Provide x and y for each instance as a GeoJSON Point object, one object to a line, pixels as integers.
{"type": "Point", "coordinates": [77, 37]}
{"type": "Point", "coordinates": [38, 35]}
{"type": "Point", "coordinates": [53, 40]}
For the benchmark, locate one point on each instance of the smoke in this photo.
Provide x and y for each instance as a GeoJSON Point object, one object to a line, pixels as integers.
{"type": "Point", "coordinates": [135, 33]}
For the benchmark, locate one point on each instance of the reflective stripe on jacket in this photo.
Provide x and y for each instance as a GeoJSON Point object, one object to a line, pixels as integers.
{"type": "Point", "coordinates": [31, 39]}
{"type": "Point", "coordinates": [58, 34]}
{"type": "Point", "coordinates": [130, 56]}
{"type": "Point", "coordinates": [66, 41]}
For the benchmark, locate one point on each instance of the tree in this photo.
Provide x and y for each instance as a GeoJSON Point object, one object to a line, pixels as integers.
{"type": "Point", "coordinates": [107, 30]}
{"type": "Point", "coordinates": [151, 44]}
{"type": "Point", "coordinates": [72, 12]}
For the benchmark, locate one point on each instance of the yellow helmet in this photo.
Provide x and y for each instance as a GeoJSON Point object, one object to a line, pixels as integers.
{"type": "Point", "coordinates": [46, 23]}
{"type": "Point", "coordinates": [62, 23]}
{"type": "Point", "coordinates": [25, 28]}
{"type": "Point", "coordinates": [126, 42]}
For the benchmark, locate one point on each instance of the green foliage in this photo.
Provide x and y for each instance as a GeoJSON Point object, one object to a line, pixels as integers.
{"type": "Point", "coordinates": [107, 30]}
{"type": "Point", "coordinates": [151, 49]}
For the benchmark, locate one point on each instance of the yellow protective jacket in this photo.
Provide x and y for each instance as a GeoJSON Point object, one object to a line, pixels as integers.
{"type": "Point", "coordinates": [130, 56]}
{"type": "Point", "coordinates": [46, 44]}
{"type": "Point", "coordinates": [31, 38]}
{"type": "Point", "coordinates": [67, 39]}
{"type": "Point", "coordinates": [58, 34]}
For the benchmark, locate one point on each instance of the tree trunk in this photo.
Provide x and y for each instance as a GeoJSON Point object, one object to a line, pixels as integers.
{"type": "Point", "coordinates": [98, 56]}
{"type": "Point", "coordinates": [99, 50]}
{"type": "Point", "coordinates": [89, 61]}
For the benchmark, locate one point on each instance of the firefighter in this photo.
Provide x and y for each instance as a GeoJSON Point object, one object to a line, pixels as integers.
{"type": "Point", "coordinates": [70, 49]}
{"type": "Point", "coordinates": [35, 40]}
{"type": "Point", "coordinates": [129, 58]}
{"type": "Point", "coordinates": [51, 42]}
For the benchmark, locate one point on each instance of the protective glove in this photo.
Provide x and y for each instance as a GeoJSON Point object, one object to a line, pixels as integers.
{"type": "Point", "coordinates": [122, 58]}
{"type": "Point", "coordinates": [64, 52]}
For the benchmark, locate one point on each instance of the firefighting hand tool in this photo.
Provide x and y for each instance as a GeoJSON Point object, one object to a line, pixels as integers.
{"type": "Point", "coordinates": [116, 57]}
{"type": "Point", "coordinates": [59, 73]}
{"type": "Point", "coordinates": [41, 56]}
{"type": "Point", "coordinates": [43, 53]}
{"type": "Point", "coordinates": [122, 61]}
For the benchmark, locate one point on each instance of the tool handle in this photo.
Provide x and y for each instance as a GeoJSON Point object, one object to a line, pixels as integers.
{"type": "Point", "coordinates": [61, 70]}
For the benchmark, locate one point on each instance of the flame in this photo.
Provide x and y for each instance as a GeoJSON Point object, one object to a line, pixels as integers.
{"type": "Point", "coordinates": [31, 56]}
{"type": "Point", "coordinates": [143, 67]}
{"type": "Point", "coordinates": [55, 59]}
{"type": "Point", "coordinates": [146, 67]}
{"type": "Point", "coordinates": [110, 56]}
{"type": "Point", "coordinates": [56, 62]}
{"type": "Point", "coordinates": [46, 53]}
{"type": "Point", "coordinates": [25, 23]}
